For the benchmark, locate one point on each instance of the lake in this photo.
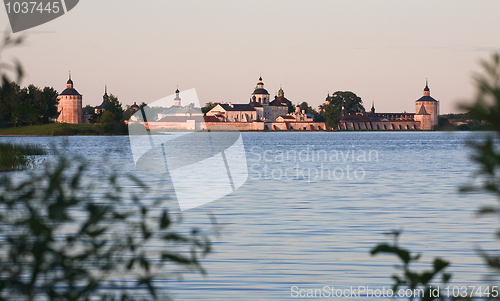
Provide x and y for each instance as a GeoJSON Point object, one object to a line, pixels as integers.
{"type": "Point", "coordinates": [316, 203]}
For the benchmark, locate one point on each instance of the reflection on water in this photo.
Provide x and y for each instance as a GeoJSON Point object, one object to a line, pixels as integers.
{"type": "Point", "coordinates": [316, 203]}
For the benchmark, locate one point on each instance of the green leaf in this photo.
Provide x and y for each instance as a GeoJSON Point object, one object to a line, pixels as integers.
{"type": "Point", "coordinates": [446, 278]}
{"type": "Point", "coordinates": [440, 264]}
{"type": "Point", "coordinates": [164, 220]}
{"type": "Point", "coordinates": [146, 234]}
{"type": "Point", "coordinates": [95, 232]}
{"type": "Point", "coordinates": [147, 281]}
{"type": "Point", "coordinates": [487, 210]}
{"type": "Point", "coordinates": [385, 248]}
{"type": "Point", "coordinates": [144, 263]}
{"type": "Point", "coordinates": [177, 258]}
{"type": "Point", "coordinates": [426, 277]}
{"type": "Point", "coordinates": [175, 237]}
{"type": "Point", "coordinates": [130, 263]}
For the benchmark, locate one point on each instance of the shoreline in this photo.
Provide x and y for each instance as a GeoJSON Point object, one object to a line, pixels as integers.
{"type": "Point", "coordinates": [167, 133]}
{"type": "Point", "coordinates": [63, 129]}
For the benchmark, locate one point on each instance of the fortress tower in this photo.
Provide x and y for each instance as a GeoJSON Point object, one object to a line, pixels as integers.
{"type": "Point", "coordinates": [70, 104]}
{"type": "Point", "coordinates": [427, 105]}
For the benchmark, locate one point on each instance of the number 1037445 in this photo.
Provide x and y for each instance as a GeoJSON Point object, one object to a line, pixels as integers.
{"type": "Point", "coordinates": [33, 7]}
{"type": "Point", "coordinates": [471, 291]}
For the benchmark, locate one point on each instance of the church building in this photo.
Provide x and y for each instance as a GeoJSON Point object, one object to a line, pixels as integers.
{"type": "Point", "coordinates": [260, 108]}
{"type": "Point", "coordinates": [100, 108]}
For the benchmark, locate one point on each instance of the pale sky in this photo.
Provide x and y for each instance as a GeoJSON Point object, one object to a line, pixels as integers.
{"type": "Point", "coordinates": [382, 50]}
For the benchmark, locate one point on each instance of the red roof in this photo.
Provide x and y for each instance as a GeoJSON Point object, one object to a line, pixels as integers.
{"type": "Point", "coordinates": [279, 101]}
{"type": "Point", "coordinates": [211, 119]}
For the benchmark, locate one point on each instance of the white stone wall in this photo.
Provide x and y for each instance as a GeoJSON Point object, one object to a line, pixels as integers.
{"type": "Point", "coordinates": [393, 125]}
{"type": "Point", "coordinates": [260, 112]}
{"type": "Point", "coordinates": [233, 116]}
{"type": "Point", "coordinates": [274, 111]}
{"type": "Point", "coordinates": [425, 121]}
{"type": "Point", "coordinates": [241, 116]}
{"type": "Point", "coordinates": [70, 109]}
{"type": "Point", "coordinates": [432, 107]}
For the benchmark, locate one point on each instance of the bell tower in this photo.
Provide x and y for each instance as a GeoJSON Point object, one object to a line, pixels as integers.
{"type": "Point", "coordinates": [260, 94]}
{"type": "Point", "coordinates": [177, 99]}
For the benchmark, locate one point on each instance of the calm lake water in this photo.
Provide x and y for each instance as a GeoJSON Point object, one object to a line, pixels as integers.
{"type": "Point", "coordinates": [314, 206]}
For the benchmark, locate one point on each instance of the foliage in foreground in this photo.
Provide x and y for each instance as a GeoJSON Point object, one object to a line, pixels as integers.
{"type": "Point", "coordinates": [6, 68]}
{"type": "Point", "coordinates": [17, 157]}
{"type": "Point", "coordinates": [410, 279]}
{"type": "Point", "coordinates": [487, 157]}
{"type": "Point", "coordinates": [58, 241]}
{"type": "Point", "coordinates": [487, 152]}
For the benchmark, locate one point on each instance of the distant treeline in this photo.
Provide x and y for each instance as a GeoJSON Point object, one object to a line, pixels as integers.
{"type": "Point", "coordinates": [26, 106]}
{"type": "Point", "coordinates": [461, 122]}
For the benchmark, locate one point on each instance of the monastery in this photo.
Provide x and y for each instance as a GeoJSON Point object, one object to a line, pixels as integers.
{"type": "Point", "coordinates": [261, 113]}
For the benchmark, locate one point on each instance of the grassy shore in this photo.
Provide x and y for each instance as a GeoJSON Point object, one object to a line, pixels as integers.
{"type": "Point", "coordinates": [53, 129]}
{"type": "Point", "coordinates": [16, 157]}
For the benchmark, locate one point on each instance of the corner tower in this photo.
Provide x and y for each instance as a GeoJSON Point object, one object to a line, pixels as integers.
{"type": "Point", "coordinates": [70, 104]}
{"type": "Point", "coordinates": [431, 107]}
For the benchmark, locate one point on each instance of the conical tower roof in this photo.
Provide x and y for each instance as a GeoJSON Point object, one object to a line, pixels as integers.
{"type": "Point", "coordinates": [422, 111]}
